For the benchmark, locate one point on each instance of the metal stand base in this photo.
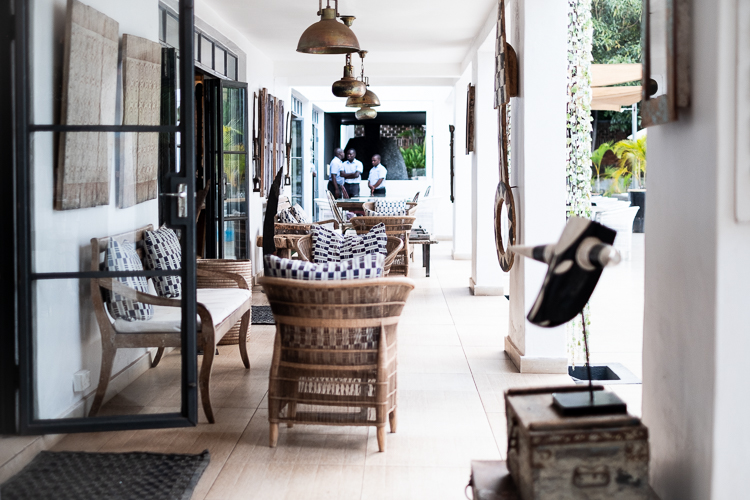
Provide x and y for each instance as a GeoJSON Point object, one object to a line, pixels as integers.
{"type": "Point", "coordinates": [571, 404]}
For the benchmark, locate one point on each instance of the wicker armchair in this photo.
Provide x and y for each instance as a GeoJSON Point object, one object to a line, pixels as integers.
{"type": "Point", "coordinates": [394, 226]}
{"type": "Point", "coordinates": [411, 211]}
{"type": "Point", "coordinates": [334, 356]}
{"type": "Point", "coordinates": [393, 247]}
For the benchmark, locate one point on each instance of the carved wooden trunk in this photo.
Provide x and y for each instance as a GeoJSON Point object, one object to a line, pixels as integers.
{"type": "Point", "coordinates": [552, 457]}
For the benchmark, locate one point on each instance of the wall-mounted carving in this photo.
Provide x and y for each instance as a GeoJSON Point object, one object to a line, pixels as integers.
{"type": "Point", "coordinates": [270, 141]}
{"type": "Point", "coordinates": [88, 98]}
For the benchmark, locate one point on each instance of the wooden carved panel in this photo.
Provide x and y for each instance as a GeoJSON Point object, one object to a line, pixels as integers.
{"type": "Point", "coordinates": [139, 161]}
{"type": "Point", "coordinates": [270, 138]}
{"type": "Point", "coordinates": [88, 98]}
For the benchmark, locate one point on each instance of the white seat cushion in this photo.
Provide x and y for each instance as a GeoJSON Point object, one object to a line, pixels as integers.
{"type": "Point", "coordinates": [220, 302]}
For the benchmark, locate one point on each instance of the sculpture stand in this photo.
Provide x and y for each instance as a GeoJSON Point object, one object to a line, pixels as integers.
{"type": "Point", "coordinates": [571, 404]}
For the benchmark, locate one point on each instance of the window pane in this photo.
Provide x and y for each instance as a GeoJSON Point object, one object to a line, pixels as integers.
{"type": "Point", "coordinates": [207, 52]}
{"type": "Point", "coordinates": [162, 28]}
{"type": "Point", "coordinates": [173, 31]}
{"type": "Point", "coordinates": [235, 240]}
{"type": "Point", "coordinates": [235, 183]}
{"type": "Point", "coordinates": [234, 111]}
{"type": "Point", "coordinates": [231, 67]}
{"type": "Point", "coordinates": [219, 56]}
{"type": "Point", "coordinates": [196, 48]}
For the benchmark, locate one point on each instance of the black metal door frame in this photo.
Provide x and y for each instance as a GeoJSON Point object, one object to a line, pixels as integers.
{"type": "Point", "coordinates": [24, 420]}
{"type": "Point", "coordinates": [215, 164]}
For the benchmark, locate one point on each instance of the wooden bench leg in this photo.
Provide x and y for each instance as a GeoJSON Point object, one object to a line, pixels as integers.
{"type": "Point", "coordinates": [108, 358]}
{"type": "Point", "coordinates": [381, 438]}
{"type": "Point", "coordinates": [205, 377]}
{"type": "Point", "coordinates": [274, 435]}
{"type": "Point", "coordinates": [244, 327]}
{"type": "Point", "coordinates": [157, 358]}
{"type": "Point", "coordinates": [393, 420]}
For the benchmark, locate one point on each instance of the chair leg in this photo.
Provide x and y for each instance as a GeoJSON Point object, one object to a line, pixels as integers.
{"type": "Point", "coordinates": [381, 439]}
{"type": "Point", "coordinates": [108, 359]}
{"type": "Point", "coordinates": [157, 358]}
{"type": "Point", "coordinates": [274, 435]}
{"type": "Point", "coordinates": [204, 379]}
{"type": "Point", "coordinates": [244, 327]}
{"type": "Point", "coordinates": [393, 420]}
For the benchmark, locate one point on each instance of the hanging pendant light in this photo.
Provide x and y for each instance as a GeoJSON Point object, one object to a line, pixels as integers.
{"type": "Point", "coordinates": [328, 36]}
{"type": "Point", "coordinates": [369, 99]}
{"type": "Point", "coordinates": [349, 86]}
{"type": "Point", "coordinates": [365, 114]}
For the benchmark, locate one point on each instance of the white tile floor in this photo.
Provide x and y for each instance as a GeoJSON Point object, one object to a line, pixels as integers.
{"type": "Point", "coordinates": [452, 374]}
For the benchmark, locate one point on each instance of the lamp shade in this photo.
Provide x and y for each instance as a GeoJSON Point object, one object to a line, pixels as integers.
{"type": "Point", "coordinates": [328, 36]}
{"type": "Point", "coordinates": [349, 86]}
{"type": "Point", "coordinates": [366, 114]}
{"type": "Point", "coordinates": [369, 100]}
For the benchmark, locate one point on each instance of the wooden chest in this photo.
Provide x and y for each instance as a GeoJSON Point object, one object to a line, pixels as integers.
{"type": "Point", "coordinates": [552, 457]}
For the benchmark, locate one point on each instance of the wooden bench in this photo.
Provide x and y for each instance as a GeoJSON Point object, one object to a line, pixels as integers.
{"type": "Point", "coordinates": [218, 311]}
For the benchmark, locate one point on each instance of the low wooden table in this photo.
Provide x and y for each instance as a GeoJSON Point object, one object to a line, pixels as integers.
{"type": "Point", "coordinates": [286, 244]}
{"type": "Point", "coordinates": [427, 244]}
{"type": "Point", "coordinates": [490, 480]}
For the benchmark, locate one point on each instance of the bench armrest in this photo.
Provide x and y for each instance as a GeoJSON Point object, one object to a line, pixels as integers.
{"type": "Point", "coordinates": [239, 279]}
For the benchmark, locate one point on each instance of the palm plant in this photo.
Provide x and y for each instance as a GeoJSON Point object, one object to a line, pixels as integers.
{"type": "Point", "coordinates": [632, 155]}
{"type": "Point", "coordinates": [414, 157]}
{"type": "Point", "coordinates": [596, 158]}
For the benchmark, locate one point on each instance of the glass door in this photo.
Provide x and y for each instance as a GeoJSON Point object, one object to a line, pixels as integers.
{"type": "Point", "coordinates": [297, 172]}
{"type": "Point", "coordinates": [106, 297]}
{"type": "Point", "coordinates": [227, 160]}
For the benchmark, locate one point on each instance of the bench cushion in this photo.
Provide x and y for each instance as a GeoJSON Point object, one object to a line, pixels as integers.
{"type": "Point", "coordinates": [123, 257]}
{"type": "Point", "coordinates": [220, 302]}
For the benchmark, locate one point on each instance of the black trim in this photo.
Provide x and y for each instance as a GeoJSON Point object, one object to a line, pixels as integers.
{"type": "Point", "coordinates": [28, 424]}
{"type": "Point", "coordinates": [8, 365]}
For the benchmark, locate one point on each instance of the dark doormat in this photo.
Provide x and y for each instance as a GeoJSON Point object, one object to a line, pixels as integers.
{"type": "Point", "coordinates": [262, 315]}
{"type": "Point", "coordinates": [67, 475]}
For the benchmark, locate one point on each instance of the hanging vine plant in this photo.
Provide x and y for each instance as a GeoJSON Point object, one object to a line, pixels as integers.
{"type": "Point", "coordinates": [580, 34]}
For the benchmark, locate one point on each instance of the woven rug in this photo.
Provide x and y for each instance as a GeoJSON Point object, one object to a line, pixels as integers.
{"type": "Point", "coordinates": [262, 315]}
{"type": "Point", "coordinates": [115, 476]}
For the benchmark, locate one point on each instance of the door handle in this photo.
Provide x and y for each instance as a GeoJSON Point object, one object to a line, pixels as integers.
{"type": "Point", "coordinates": [181, 196]}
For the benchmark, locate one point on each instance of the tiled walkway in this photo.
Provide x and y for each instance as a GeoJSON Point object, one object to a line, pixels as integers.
{"type": "Point", "coordinates": [452, 374]}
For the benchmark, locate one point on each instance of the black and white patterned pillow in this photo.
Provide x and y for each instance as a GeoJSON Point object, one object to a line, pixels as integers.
{"type": "Point", "coordinates": [329, 246]}
{"type": "Point", "coordinates": [123, 257]}
{"type": "Point", "coordinates": [371, 213]}
{"type": "Point", "coordinates": [286, 216]}
{"type": "Point", "coordinates": [362, 267]}
{"type": "Point", "coordinates": [300, 214]}
{"type": "Point", "coordinates": [390, 207]}
{"type": "Point", "coordinates": [164, 253]}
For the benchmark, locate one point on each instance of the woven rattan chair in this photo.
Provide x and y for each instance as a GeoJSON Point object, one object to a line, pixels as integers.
{"type": "Point", "coordinates": [337, 213]}
{"type": "Point", "coordinates": [334, 356]}
{"type": "Point", "coordinates": [394, 226]}
{"type": "Point", "coordinates": [393, 247]}
{"type": "Point", "coordinates": [411, 210]}
{"type": "Point", "coordinates": [229, 306]}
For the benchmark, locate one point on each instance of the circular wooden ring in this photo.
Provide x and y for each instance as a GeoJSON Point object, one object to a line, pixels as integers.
{"type": "Point", "coordinates": [505, 225]}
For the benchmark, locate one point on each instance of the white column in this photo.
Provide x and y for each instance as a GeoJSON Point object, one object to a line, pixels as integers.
{"type": "Point", "coordinates": [486, 275]}
{"type": "Point", "coordinates": [539, 36]}
{"type": "Point", "coordinates": [462, 179]}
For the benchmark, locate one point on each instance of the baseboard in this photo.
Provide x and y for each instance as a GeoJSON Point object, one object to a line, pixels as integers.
{"type": "Point", "coordinates": [29, 446]}
{"type": "Point", "coordinates": [485, 290]}
{"type": "Point", "coordinates": [528, 364]}
{"type": "Point", "coordinates": [460, 256]}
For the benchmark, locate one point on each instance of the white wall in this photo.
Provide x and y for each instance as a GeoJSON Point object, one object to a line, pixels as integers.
{"type": "Point", "coordinates": [462, 242]}
{"type": "Point", "coordinates": [66, 335]}
{"type": "Point", "coordinates": [696, 333]}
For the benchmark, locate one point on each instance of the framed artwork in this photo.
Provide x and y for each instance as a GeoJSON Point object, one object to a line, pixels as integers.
{"type": "Point", "coordinates": [89, 92]}
{"type": "Point", "coordinates": [138, 168]}
{"type": "Point", "coordinates": [470, 97]}
{"type": "Point", "coordinates": [501, 59]}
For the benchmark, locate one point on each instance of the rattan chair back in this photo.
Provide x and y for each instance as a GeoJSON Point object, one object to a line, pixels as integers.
{"type": "Point", "coordinates": [393, 247]}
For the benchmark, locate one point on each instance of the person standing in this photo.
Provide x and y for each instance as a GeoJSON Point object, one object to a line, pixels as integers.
{"type": "Point", "coordinates": [336, 182]}
{"type": "Point", "coordinates": [376, 179]}
{"type": "Point", "coordinates": [352, 173]}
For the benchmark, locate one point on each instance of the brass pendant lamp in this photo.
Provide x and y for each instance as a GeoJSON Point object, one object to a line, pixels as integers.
{"type": "Point", "coordinates": [365, 114]}
{"type": "Point", "coordinates": [328, 36]}
{"type": "Point", "coordinates": [369, 99]}
{"type": "Point", "coordinates": [349, 86]}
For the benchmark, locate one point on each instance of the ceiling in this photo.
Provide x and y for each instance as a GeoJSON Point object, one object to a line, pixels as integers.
{"type": "Point", "coordinates": [422, 39]}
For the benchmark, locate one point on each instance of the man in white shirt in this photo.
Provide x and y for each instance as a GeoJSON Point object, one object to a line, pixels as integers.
{"type": "Point", "coordinates": [352, 173]}
{"type": "Point", "coordinates": [376, 179]}
{"type": "Point", "coordinates": [336, 183]}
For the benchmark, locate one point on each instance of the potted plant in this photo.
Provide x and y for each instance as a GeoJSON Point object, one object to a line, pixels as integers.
{"type": "Point", "coordinates": [414, 158]}
{"type": "Point", "coordinates": [596, 159]}
{"type": "Point", "coordinates": [632, 155]}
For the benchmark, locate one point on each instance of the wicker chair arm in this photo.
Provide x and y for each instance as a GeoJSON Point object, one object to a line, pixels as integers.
{"type": "Point", "coordinates": [237, 278]}
{"type": "Point", "coordinates": [304, 248]}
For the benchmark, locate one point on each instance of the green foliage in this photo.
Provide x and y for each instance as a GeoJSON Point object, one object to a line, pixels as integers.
{"type": "Point", "coordinates": [617, 31]}
{"type": "Point", "coordinates": [415, 157]}
{"type": "Point", "coordinates": [598, 155]}
{"type": "Point", "coordinates": [632, 155]}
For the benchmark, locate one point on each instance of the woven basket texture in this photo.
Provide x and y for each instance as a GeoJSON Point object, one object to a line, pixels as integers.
{"type": "Point", "coordinates": [242, 267]}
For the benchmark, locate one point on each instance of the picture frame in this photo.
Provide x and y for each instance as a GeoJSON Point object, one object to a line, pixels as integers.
{"type": "Point", "coordinates": [470, 98]}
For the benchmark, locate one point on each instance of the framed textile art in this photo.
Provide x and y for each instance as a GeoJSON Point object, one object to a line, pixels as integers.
{"type": "Point", "coordinates": [89, 92]}
{"type": "Point", "coordinates": [138, 168]}
{"type": "Point", "coordinates": [470, 97]}
{"type": "Point", "coordinates": [270, 142]}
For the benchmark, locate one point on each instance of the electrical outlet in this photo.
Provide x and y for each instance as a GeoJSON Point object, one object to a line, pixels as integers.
{"type": "Point", "coordinates": [81, 380]}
